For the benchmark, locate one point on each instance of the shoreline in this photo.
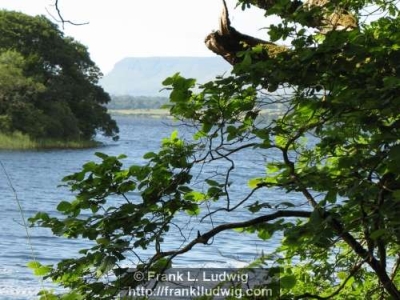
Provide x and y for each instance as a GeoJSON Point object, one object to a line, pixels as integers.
{"type": "Point", "coordinates": [160, 112]}
{"type": "Point", "coordinates": [145, 112]}
{"type": "Point", "coordinates": [19, 141]}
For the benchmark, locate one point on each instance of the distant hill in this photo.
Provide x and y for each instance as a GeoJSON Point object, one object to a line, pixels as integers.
{"type": "Point", "coordinates": [142, 76]}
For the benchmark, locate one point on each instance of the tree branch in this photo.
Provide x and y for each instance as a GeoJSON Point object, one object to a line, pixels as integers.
{"type": "Point", "coordinates": [61, 18]}
{"type": "Point", "coordinates": [204, 238]}
{"type": "Point", "coordinates": [228, 42]}
{"type": "Point", "coordinates": [338, 227]}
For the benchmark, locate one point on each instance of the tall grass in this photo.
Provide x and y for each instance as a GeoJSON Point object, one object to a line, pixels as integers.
{"type": "Point", "coordinates": [20, 141]}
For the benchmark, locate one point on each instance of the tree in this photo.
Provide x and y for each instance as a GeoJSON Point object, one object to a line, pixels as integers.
{"type": "Point", "coordinates": [15, 90]}
{"type": "Point", "coordinates": [49, 83]}
{"type": "Point", "coordinates": [338, 147]}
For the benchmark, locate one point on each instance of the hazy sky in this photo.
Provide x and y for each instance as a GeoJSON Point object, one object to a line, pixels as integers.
{"type": "Point", "coordinates": [131, 28]}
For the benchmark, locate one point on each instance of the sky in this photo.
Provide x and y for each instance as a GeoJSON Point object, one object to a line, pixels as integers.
{"type": "Point", "coordinates": [142, 28]}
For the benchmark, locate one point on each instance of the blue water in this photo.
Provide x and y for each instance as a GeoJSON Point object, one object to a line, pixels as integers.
{"type": "Point", "coordinates": [36, 175]}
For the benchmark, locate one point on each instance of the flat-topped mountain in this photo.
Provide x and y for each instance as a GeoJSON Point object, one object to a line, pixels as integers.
{"type": "Point", "coordinates": [143, 76]}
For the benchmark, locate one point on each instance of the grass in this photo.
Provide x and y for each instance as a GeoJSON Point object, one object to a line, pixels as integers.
{"type": "Point", "coordinates": [19, 141]}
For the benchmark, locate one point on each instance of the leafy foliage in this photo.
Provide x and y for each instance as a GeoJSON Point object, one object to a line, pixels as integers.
{"type": "Point", "coordinates": [338, 149]}
{"type": "Point", "coordinates": [48, 83]}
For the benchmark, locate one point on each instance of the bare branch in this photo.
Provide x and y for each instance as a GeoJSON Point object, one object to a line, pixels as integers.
{"type": "Point", "coordinates": [229, 209]}
{"type": "Point", "coordinates": [61, 18]}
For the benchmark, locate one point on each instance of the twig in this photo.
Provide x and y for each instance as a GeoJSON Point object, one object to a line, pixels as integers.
{"type": "Point", "coordinates": [28, 236]}
{"type": "Point", "coordinates": [61, 18]}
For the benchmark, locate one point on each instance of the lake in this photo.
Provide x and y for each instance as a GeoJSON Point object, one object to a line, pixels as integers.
{"type": "Point", "coordinates": [36, 175]}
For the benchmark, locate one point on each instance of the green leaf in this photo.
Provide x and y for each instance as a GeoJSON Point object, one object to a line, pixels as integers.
{"type": "Point", "coordinates": [263, 134]}
{"type": "Point", "coordinates": [38, 268]}
{"type": "Point", "coordinates": [285, 204]}
{"type": "Point", "coordinates": [331, 196]}
{"type": "Point", "coordinates": [101, 155]}
{"type": "Point", "coordinates": [246, 60]}
{"type": "Point", "coordinates": [206, 128]}
{"type": "Point", "coordinates": [33, 265]}
{"type": "Point", "coordinates": [255, 182]}
{"type": "Point", "coordinates": [272, 168]}
{"type": "Point", "coordinates": [169, 80]}
{"type": "Point", "coordinates": [161, 265]}
{"type": "Point", "coordinates": [288, 281]}
{"type": "Point", "coordinates": [211, 182]}
{"type": "Point", "coordinates": [64, 206]}
{"type": "Point", "coordinates": [126, 187]}
{"type": "Point", "coordinates": [174, 135]}
{"type": "Point", "coordinates": [257, 206]}
{"type": "Point", "coordinates": [396, 195]}
{"type": "Point", "coordinates": [106, 265]}
{"type": "Point", "coordinates": [90, 166]}
{"type": "Point", "coordinates": [378, 234]}
{"type": "Point", "coordinates": [149, 155]}
{"type": "Point", "coordinates": [342, 275]}
{"type": "Point", "coordinates": [193, 211]}
{"type": "Point", "coordinates": [103, 241]}
{"type": "Point", "coordinates": [69, 296]}
{"type": "Point", "coordinates": [264, 234]}
{"type": "Point", "coordinates": [195, 196]}
{"type": "Point", "coordinates": [280, 141]}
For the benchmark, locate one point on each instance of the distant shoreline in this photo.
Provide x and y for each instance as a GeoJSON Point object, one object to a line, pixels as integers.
{"type": "Point", "coordinates": [165, 113]}
{"type": "Point", "coordinates": [151, 112]}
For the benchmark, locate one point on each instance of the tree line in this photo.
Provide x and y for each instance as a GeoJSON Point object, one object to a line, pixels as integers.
{"type": "Point", "coordinates": [136, 102]}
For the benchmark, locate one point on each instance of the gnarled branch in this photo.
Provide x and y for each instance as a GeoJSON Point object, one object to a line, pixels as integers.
{"type": "Point", "coordinates": [228, 42]}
